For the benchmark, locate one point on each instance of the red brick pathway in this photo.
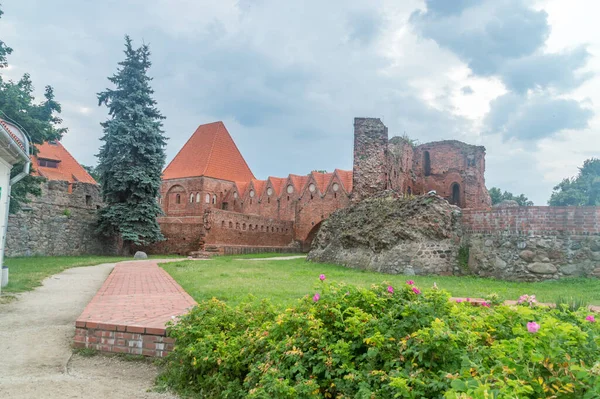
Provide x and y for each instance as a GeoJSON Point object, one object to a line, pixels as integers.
{"type": "Point", "coordinates": [137, 297]}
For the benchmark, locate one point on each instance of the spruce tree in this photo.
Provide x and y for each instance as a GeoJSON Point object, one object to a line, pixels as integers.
{"type": "Point", "coordinates": [133, 154]}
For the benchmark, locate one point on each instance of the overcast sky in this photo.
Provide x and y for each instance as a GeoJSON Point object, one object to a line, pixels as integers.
{"type": "Point", "coordinates": [288, 77]}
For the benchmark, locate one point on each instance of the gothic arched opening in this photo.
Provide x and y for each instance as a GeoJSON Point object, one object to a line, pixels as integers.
{"type": "Point", "coordinates": [455, 196]}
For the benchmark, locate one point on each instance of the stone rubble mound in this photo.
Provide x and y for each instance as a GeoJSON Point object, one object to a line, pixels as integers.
{"type": "Point", "coordinates": [392, 233]}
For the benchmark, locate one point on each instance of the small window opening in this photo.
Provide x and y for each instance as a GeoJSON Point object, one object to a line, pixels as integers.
{"type": "Point", "coordinates": [231, 225]}
{"type": "Point", "coordinates": [215, 199]}
{"type": "Point", "coordinates": [178, 199]}
{"type": "Point", "coordinates": [197, 197]}
{"type": "Point", "coordinates": [207, 198]}
{"type": "Point", "coordinates": [192, 198]}
{"type": "Point", "coordinates": [223, 224]}
{"type": "Point", "coordinates": [88, 200]}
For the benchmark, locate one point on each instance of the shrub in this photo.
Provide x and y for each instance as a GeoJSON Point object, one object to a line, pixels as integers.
{"type": "Point", "coordinates": [384, 342]}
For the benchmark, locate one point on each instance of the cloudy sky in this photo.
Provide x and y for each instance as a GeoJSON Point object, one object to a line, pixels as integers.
{"type": "Point", "coordinates": [288, 77]}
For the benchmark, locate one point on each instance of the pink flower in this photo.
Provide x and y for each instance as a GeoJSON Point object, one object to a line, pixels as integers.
{"type": "Point", "coordinates": [485, 304]}
{"type": "Point", "coordinates": [533, 327]}
{"type": "Point", "coordinates": [459, 300]}
{"type": "Point", "coordinates": [416, 290]}
{"type": "Point", "coordinates": [316, 297]}
{"type": "Point", "coordinates": [410, 282]}
{"type": "Point", "coordinates": [322, 277]}
{"type": "Point", "coordinates": [390, 289]}
{"type": "Point", "coordinates": [468, 299]}
{"type": "Point", "coordinates": [591, 319]}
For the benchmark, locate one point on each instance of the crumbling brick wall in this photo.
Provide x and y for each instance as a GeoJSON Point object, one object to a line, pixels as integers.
{"type": "Point", "coordinates": [370, 170]}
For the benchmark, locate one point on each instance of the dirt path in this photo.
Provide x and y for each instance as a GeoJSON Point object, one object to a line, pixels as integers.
{"type": "Point", "coordinates": [36, 333]}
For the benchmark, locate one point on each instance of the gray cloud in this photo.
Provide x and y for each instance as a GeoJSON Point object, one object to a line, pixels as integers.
{"type": "Point", "coordinates": [535, 117]}
{"type": "Point", "coordinates": [505, 38]}
{"type": "Point", "coordinates": [486, 34]}
{"type": "Point", "coordinates": [557, 70]}
{"type": "Point", "coordinates": [445, 7]}
{"type": "Point", "coordinates": [364, 26]}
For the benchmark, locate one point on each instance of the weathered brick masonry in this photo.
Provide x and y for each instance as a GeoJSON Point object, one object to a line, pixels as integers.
{"type": "Point", "coordinates": [123, 339]}
{"type": "Point", "coordinates": [209, 173]}
{"type": "Point", "coordinates": [584, 220]}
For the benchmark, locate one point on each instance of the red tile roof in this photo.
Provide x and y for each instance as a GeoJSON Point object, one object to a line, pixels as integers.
{"type": "Point", "coordinates": [259, 186]}
{"type": "Point", "coordinates": [7, 127]}
{"type": "Point", "coordinates": [210, 152]}
{"type": "Point", "coordinates": [323, 180]}
{"type": "Point", "coordinates": [346, 179]}
{"type": "Point", "coordinates": [278, 184]}
{"type": "Point", "coordinates": [68, 169]}
{"type": "Point", "coordinates": [298, 182]}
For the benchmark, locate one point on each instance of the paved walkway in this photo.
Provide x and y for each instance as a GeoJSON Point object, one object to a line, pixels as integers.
{"type": "Point", "coordinates": [137, 297]}
{"type": "Point", "coordinates": [36, 334]}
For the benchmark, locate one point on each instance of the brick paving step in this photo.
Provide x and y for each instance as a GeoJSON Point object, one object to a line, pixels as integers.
{"type": "Point", "coordinates": [130, 311]}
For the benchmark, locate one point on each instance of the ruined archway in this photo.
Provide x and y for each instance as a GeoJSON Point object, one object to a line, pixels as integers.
{"type": "Point", "coordinates": [455, 194]}
{"type": "Point", "coordinates": [310, 237]}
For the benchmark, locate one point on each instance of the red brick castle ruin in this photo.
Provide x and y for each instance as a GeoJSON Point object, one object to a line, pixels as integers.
{"type": "Point", "coordinates": [213, 202]}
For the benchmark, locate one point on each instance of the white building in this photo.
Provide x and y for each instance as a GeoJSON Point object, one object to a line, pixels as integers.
{"type": "Point", "coordinates": [14, 149]}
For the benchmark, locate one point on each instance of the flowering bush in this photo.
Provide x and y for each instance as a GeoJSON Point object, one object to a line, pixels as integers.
{"type": "Point", "coordinates": [384, 342]}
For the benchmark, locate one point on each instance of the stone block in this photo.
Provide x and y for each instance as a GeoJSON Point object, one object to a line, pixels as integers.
{"type": "Point", "coordinates": [527, 255]}
{"type": "Point", "coordinates": [542, 268]}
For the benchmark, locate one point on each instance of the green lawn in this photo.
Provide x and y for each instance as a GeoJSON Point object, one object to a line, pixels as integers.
{"type": "Point", "coordinates": [26, 273]}
{"type": "Point", "coordinates": [232, 279]}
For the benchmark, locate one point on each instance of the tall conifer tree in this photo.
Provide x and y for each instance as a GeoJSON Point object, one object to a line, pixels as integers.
{"type": "Point", "coordinates": [133, 154]}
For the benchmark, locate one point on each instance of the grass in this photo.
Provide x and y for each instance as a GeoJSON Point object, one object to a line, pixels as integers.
{"type": "Point", "coordinates": [26, 273]}
{"type": "Point", "coordinates": [233, 279]}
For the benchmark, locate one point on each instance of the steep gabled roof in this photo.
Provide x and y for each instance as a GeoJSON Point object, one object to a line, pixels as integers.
{"type": "Point", "coordinates": [241, 188]}
{"type": "Point", "coordinates": [210, 152]}
{"type": "Point", "coordinates": [68, 169]}
{"type": "Point", "coordinates": [259, 186]}
{"type": "Point", "coordinates": [346, 179]}
{"type": "Point", "coordinates": [278, 184]}
{"type": "Point", "coordinates": [298, 182]}
{"type": "Point", "coordinates": [322, 180]}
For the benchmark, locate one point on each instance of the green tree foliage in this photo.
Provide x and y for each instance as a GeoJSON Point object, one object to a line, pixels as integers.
{"type": "Point", "coordinates": [498, 196]}
{"type": "Point", "coordinates": [581, 190]}
{"type": "Point", "coordinates": [39, 120]}
{"type": "Point", "coordinates": [92, 171]}
{"type": "Point", "coordinates": [133, 154]}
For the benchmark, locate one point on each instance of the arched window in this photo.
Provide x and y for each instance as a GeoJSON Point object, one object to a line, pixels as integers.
{"type": "Point", "coordinates": [237, 226]}
{"type": "Point", "coordinates": [223, 224]}
{"type": "Point", "coordinates": [214, 198]}
{"type": "Point", "coordinates": [244, 226]}
{"type": "Point", "coordinates": [191, 197]}
{"type": "Point", "coordinates": [207, 198]}
{"type": "Point", "coordinates": [426, 163]}
{"type": "Point", "coordinates": [197, 197]}
{"type": "Point", "coordinates": [231, 225]}
{"type": "Point", "coordinates": [455, 198]}
{"type": "Point", "coordinates": [178, 199]}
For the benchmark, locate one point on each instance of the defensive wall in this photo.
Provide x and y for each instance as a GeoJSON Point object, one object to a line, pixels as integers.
{"type": "Point", "coordinates": [533, 243]}
{"type": "Point", "coordinates": [62, 221]}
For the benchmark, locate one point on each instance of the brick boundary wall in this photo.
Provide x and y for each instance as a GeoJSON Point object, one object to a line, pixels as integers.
{"type": "Point", "coordinates": [527, 220]}
{"type": "Point", "coordinates": [132, 340]}
{"type": "Point", "coordinates": [241, 250]}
